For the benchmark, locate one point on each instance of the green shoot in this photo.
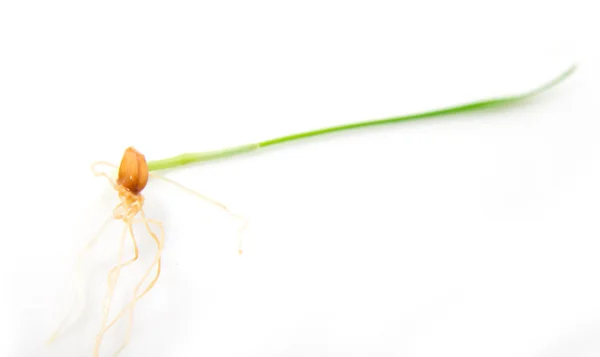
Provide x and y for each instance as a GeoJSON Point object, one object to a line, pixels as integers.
{"type": "Point", "coordinates": [190, 158]}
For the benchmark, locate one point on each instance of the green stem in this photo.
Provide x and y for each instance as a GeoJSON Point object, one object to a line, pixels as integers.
{"type": "Point", "coordinates": [189, 158]}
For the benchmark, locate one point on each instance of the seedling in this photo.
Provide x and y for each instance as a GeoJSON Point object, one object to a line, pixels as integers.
{"type": "Point", "coordinates": [134, 173]}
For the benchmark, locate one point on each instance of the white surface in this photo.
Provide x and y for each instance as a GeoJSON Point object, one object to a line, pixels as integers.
{"type": "Point", "coordinates": [475, 235]}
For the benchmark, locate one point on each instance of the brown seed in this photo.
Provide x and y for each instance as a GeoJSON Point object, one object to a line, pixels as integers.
{"type": "Point", "coordinates": [133, 171]}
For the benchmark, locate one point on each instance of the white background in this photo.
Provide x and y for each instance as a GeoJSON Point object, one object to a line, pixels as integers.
{"type": "Point", "coordinates": [475, 235]}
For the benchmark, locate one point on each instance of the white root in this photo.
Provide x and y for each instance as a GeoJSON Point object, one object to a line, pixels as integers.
{"type": "Point", "coordinates": [80, 286]}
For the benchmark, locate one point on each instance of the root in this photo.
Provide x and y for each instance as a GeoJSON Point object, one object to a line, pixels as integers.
{"type": "Point", "coordinates": [130, 307]}
{"type": "Point", "coordinates": [113, 277]}
{"type": "Point", "coordinates": [211, 201]}
{"type": "Point", "coordinates": [80, 284]}
{"type": "Point", "coordinates": [104, 174]}
{"type": "Point", "coordinates": [131, 204]}
{"type": "Point", "coordinates": [159, 240]}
